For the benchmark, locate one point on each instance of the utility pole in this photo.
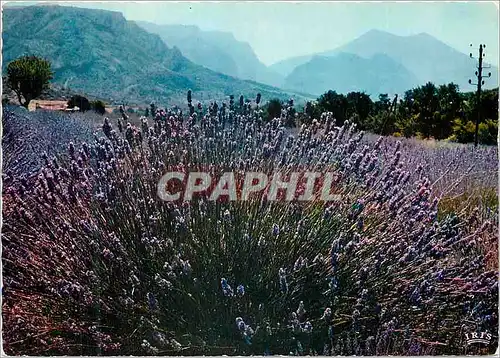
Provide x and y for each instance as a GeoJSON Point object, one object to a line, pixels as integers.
{"type": "Point", "coordinates": [480, 82]}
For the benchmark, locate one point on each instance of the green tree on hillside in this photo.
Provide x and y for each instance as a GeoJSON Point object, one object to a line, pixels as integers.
{"type": "Point", "coordinates": [28, 77]}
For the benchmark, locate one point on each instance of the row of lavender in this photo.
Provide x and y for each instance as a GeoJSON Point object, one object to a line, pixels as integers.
{"type": "Point", "coordinates": [95, 263]}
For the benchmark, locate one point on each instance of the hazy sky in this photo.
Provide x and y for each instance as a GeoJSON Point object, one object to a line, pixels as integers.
{"type": "Point", "coordinates": [278, 30]}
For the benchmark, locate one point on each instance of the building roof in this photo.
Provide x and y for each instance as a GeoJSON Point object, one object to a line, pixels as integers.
{"type": "Point", "coordinates": [46, 104]}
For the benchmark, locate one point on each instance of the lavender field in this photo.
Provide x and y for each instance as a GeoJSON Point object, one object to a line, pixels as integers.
{"type": "Point", "coordinates": [94, 263]}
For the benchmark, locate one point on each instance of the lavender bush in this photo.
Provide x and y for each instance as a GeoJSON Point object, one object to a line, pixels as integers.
{"type": "Point", "coordinates": [95, 263]}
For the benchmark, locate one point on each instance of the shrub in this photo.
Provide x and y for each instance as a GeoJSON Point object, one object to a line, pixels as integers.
{"type": "Point", "coordinates": [79, 101]}
{"type": "Point", "coordinates": [99, 107]}
{"type": "Point", "coordinates": [488, 132]}
{"type": "Point", "coordinates": [464, 132]}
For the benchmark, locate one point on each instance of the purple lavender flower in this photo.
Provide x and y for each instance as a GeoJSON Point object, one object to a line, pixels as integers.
{"type": "Point", "coordinates": [307, 327]}
{"type": "Point", "coordinates": [276, 229]}
{"type": "Point", "coordinates": [226, 289]}
{"type": "Point", "coordinates": [282, 281]}
{"type": "Point", "coordinates": [240, 290]}
{"type": "Point", "coordinates": [152, 302]}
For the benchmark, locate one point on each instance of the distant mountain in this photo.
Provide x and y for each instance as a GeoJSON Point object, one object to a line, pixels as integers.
{"type": "Point", "coordinates": [285, 67]}
{"type": "Point", "coordinates": [347, 73]}
{"type": "Point", "coordinates": [216, 50]}
{"type": "Point", "coordinates": [101, 53]}
{"type": "Point", "coordinates": [426, 57]}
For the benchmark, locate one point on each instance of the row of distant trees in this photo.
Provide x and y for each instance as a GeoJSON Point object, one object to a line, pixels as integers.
{"type": "Point", "coordinates": [427, 111]}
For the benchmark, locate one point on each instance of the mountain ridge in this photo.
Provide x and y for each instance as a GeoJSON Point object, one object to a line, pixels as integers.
{"type": "Point", "coordinates": [348, 72]}
{"type": "Point", "coordinates": [217, 50]}
{"type": "Point", "coordinates": [428, 58]}
{"type": "Point", "coordinates": [101, 53]}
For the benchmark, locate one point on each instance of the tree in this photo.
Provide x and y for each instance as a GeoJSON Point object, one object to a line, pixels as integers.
{"type": "Point", "coordinates": [383, 117]}
{"type": "Point", "coordinates": [359, 104]}
{"type": "Point", "coordinates": [79, 101]}
{"type": "Point", "coordinates": [28, 77]}
{"type": "Point", "coordinates": [489, 104]}
{"type": "Point", "coordinates": [427, 101]}
{"type": "Point", "coordinates": [423, 103]}
{"type": "Point", "coordinates": [336, 103]}
{"type": "Point", "coordinates": [449, 109]}
{"type": "Point", "coordinates": [383, 103]}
